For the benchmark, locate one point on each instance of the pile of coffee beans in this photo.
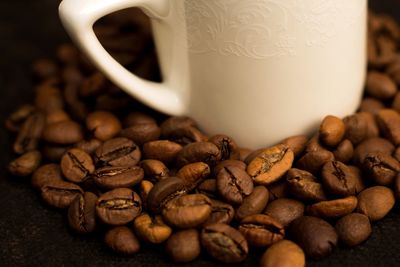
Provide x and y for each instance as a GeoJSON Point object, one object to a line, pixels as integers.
{"type": "Point", "coordinates": [137, 177]}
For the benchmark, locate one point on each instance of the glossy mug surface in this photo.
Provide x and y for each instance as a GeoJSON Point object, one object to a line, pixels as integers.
{"type": "Point", "coordinates": [257, 70]}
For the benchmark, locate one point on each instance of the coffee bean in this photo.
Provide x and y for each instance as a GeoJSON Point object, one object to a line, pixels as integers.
{"type": "Point", "coordinates": [360, 186]}
{"type": "Point", "coordinates": [60, 194]}
{"type": "Point", "coordinates": [338, 180]}
{"type": "Point", "coordinates": [173, 123]}
{"type": "Point", "coordinates": [353, 229]}
{"type": "Point", "coordinates": [186, 135]}
{"type": "Point", "coordinates": [234, 184]}
{"type": "Point", "coordinates": [227, 146]}
{"type": "Point", "coordinates": [30, 133]}
{"type": "Point", "coordinates": [119, 206]}
{"type": "Point", "coordinates": [135, 118]}
{"type": "Point", "coordinates": [283, 253]}
{"type": "Point", "coordinates": [145, 188]}
{"type": "Point", "coordinates": [183, 246]}
{"type": "Point", "coordinates": [103, 125]}
{"type": "Point", "coordinates": [44, 68]}
{"type": "Point", "coordinates": [76, 165]}
{"type": "Point", "coordinates": [93, 85]}
{"type": "Point", "coordinates": [344, 151]}
{"type": "Point", "coordinates": [261, 230]}
{"type": "Point", "coordinates": [163, 191]}
{"type": "Point", "coordinates": [224, 243]}
{"type": "Point", "coordinates": [375, 202]}
{"type": "Point", "coordinates": [46, 174]}
{"type": "Point", "coordinates": [208, 187]}
{"type": "Point", "coordinates": [370, 104]}
{"type": "Point", "coordinates": [370, 145]}
{"type": "Point", "coordinates": [89, 146]}
{"type": "Point", "coordinates": [18, 117]}
{"type": "Point", "coordinates": [253, 154]}
{"type": "Point", "coordinates": [285, 210]}
{"type": "Point", "coordinates": [220, 213]}
{"type": "Point", "coordinates": [381, 168]}
{"type": "Point", "coordinates": [115, 177]}
{"type": "Point", "coordinates": [119, 151]}
{"type": "Point", "coordinates": [57, 116]}
{"type": "Point", "coordinates": [296, 143]}
{"type": "Point", "coordinates": [25, 164]}
{"type": "Point", "coordinates": [54, 153]}
{"type": "Point", "coordinates": [313, 161]}
{"type": "Point", "coordinates": [271, 164]}
{"type": "Point", "coordinates": [142, 133]}
{"type": "Point", "coordinates": [380, 85]}
{"type": "Point", "coordinates": [48, 98]}
{"type": "Point", "coordinates": [278, 190]}
{"type": "Point", "coordinates": [199, 152]}
{"type": "Point", "coordinates": [151, 229]}
{"type": "Point", "coordinates": [372, 125]}
{"type": "Point", "coordinates": [193, 174]}
{"type": "Point", "coordinates": [314, 144]}
{"type": "Point", "coordinates": [304, 186]}
{"type": "Point", "coordinates": [122, 240]}
{"type": "Point", "coordinates": [82, 213]}
{"type": "Point", "coordinates": [162, 150]}
{"type": "Point", "coordinates": [227, 163]}
{"type": "Point", "coordinates": [315, 236]}
{"type": "Point", "coordinates": [331, 131]}
{"type": "Point", "coordinates": [187, 211]}
{"type": "Point", "coordinates": [255, 203]}
{"type": "Point", "coordinates": [154, 170]}
{"type": "Point", "coordinates": [63, 133]}
{"type": "Point", "coordinates": [389, 124]}
{"type": "Point", "coordinates": [333, 208]}
{"type": "Point", "coordinates": [356, 128]}
{"type": "Point", "coordinates": [393, 71]}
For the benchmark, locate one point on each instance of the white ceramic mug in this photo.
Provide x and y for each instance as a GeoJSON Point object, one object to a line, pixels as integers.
{"type": "Point", "coordinates": [257, 70]}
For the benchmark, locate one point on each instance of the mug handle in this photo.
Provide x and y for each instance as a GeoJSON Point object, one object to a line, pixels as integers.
{"type": "Point", "coordinates": [78, 17]}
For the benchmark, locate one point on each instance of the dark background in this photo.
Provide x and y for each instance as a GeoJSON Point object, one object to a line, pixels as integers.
{"type": "Point", "coordinates": [31, 234]}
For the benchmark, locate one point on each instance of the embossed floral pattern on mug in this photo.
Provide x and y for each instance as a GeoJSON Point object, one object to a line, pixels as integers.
{"type": "Point", "coordinates": [264, 28]}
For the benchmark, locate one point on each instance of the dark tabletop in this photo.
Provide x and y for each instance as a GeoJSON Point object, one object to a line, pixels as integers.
{"type": "Point", "coordinates": [31, 234]}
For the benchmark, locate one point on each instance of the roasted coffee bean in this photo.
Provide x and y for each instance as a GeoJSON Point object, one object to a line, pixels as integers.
{"type": "Point", "coordinates": [396, 187]}
{"type": "Point", "coordinates": [103, 125]}
{"type": "Point", "coordinates": [396, 153]}
{"type": "Point", "coordinates": [304, 186]}
{"type": "Point", "coordinates": [381, 168]}
{"type": "Point", "coordinates": [145, 188]}
{"type": "Point", "coordinates": [333, 208]}
{"type": "Point", "coordinates": [224, 243]}
{"type": "Point", "coordinates": [356, 128]}
{"type": "Point", "coordinates": [372, 105]}
{"type": "Point", "coordinates": [253, 154]}
{"type": "Point", "coordinates": [162, 150]}
{"type": "Point", "coordinates": [360, 186]}
{"type": "Point", "coordinates": [199, 152]}
{"type": "Point", "coordinates": [344, 151]}
{"type": "Point", "coordinates": [193, 174]}
{"type": "Point", "coordinates": [285, 210]}
{"type": "Point", "coordinates": [151, 229]}
{"type": "Point", "coordinates": [370, 145]}
{"type": "Point", "coordinates": [46, 174]}
{"type": "Point", "coordinates": [380, 85]}
{"type": "Point", "coordinates": [82, 213]}
{"type": "Point", "coordinates": [172, 124]}
{"type": "Point", "coordinates": [183, 246]}
{"type": "Point", "coordinates": [122, 240]}
{"type": "Point", "coordinates": [338, 179]}
{"type": "Point", "coordinates": [315, 236]}
{"type": "Point", "coordinates": [255, 203]}
{"type": "Point", "coordinates": [314, 144]}
{"type": "Point", "coordinates": [375, 202]}
{"type": "Point", "coordinates": [119, 151]}
{"type": "Point", "coordinates": [227, 163]}
{"type": "Point", "coordinates": [142, 133]}
{"type": "Point", "coordinates": [18, 117]}
{"type": "Point", "coordinates": [313, 161]}
{"type": "Point", "coordinates": [60, 194]}
{"type": "Point", "coordinates": [353, 229]}
{"type": "Point", "coordinates": [93, 85]}
{"type": "Point", "coordinates": [393, 71]}
{"type": "Point", "coordinates": [389, 124]}
{"type": "Point", "coordinates": [187, 135]}
{"type": "Point", "coordinates": [227, 146]}
{"type": "Point", "coordinates": [284, 253]}
{"type": "Point", "coordinates": [116, 177]}
{"type": "Point", "coordinates": [54, 153]}
{"type": "Point", "coordinates": [63, 133]}
{"type": "Point", "coordinates": [119, 206]}
{"type": "Point", "coordinates": [208, 187]}
{"type": "Point", "coordinates": [296, 143]}
{"type": "Point", "coordinates": [187, 211]}
{"type": "Point", "coordinates": [331, 131]}
{"type": "Point", "coordinates": [278, 190]}
{"type": "Point", "coordinates": [25, 164]}
{"type": "Point", "coordinates": [271, 164]}
{"type": "Point", "coordinates": [48, 98]}
{"type": "Point", "coordinates": [234, 184]}
{"type": "Point", "coordinates": [44, 68]}
{"type": "Point", "coordinates": [57, 116]}
{"type": "Point", "coordinates": [135, 118]}
{"type": "Point", "coordinates": [89, 146]}
{"type": "Point", "coordinates": [154, 170]}
{"type": "Point", "coordinates": [261, 230]}
{"type": "Point", "coordinates": [372, 125]}
{"type": "Point", "coordinates": [30, 133]}
{"type": "Point", "coordinates": [220, 213]}
{"type": "Point", "coordinates": [164, 191]}
{"type": "Point", "coordinates": [76, 165]}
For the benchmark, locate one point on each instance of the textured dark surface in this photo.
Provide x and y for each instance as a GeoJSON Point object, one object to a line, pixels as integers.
{"type": "Point", "coordinates": [31, 234]}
